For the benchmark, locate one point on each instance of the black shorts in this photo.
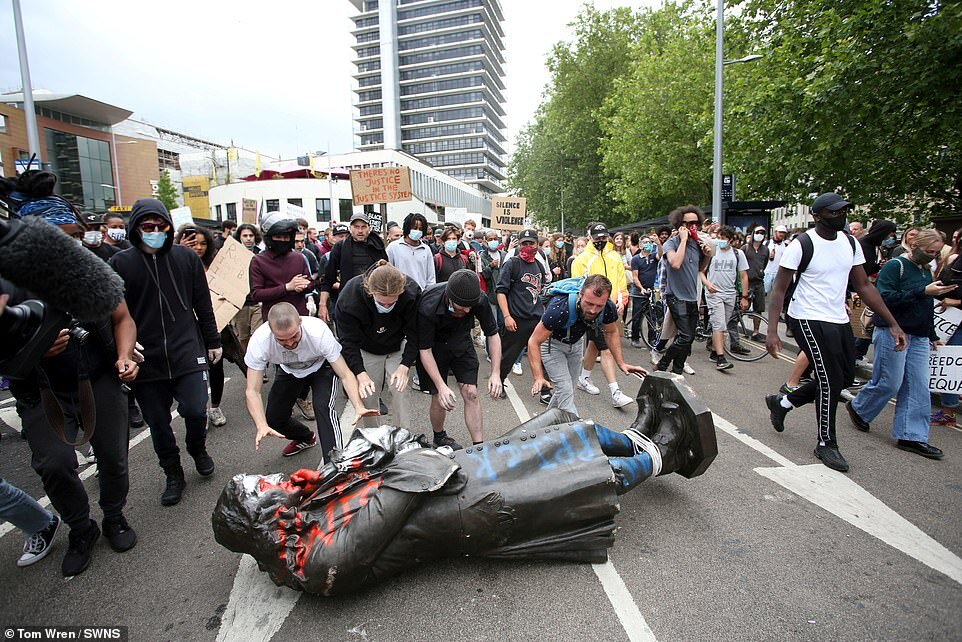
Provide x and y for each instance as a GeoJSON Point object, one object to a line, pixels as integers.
{"type": "Point", "coordinates": [758, 305]}
{"type": "Point", "coordinates": [462, 361]}
{"type": "Point", "coordinates": [596, 334]}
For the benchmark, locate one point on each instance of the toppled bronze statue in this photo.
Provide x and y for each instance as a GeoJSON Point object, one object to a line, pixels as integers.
{"type": "Point", "coordinates": [545, 490]}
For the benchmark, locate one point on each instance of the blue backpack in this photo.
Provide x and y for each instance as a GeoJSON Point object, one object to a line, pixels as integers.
{"type": "Point", "coordinates": [571, 288]}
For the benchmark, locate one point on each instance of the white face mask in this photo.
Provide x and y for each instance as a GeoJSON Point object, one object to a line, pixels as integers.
{"type": "Point", "coordinates": [117, 234]}
{"type": "Point", "coordinates": [469, 234]}
{"type": "Point", "coordinates": [758, 237]}
{"type": "Point", "coordinates": [93, 237]}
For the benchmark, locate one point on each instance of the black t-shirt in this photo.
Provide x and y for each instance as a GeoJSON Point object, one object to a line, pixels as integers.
{"type": "Point", "coordinates": [103, 251]}
{"type": "Point", "coordinates": [556, 316]}
{"type": "Point", "coordinates": [437, 327]}
{"type": "Point", "coordinates": [521, 283]}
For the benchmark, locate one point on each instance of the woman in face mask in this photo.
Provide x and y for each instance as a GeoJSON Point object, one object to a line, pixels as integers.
{"type": "Point", "coordinates": [906, 286]}
{"type": "Point", "coordinates": [376, 326]}
{"type": "Point", "coordinates": [449, 258]}
{"type": "Point", "coordinates": [579, 246]}
{"type": "Point", "coordinates": [557, 256]}
{"type": "Point", "coordinates": [115, 233]}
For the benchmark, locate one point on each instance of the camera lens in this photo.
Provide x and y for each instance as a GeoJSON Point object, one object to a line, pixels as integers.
{"type": "Point", "coordinates": [78, 334]}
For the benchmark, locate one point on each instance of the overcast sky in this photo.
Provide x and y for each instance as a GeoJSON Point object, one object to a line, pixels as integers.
{"type": "Point", "coordinates": [274, 77]}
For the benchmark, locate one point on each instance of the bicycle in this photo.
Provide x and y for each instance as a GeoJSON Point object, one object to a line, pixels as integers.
{"type": "Point", "coordinates": [748, 330]}
{"type": "Point", "coordinates": [652, 317]}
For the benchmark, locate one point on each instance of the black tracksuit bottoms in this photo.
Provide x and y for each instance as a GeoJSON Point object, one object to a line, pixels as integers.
{"type": "Point", "coordinates": [830, 348]}
{"type": "Point", "coordinates": [56, 462]}
{"type": "Point", "coordinates": [287, 388]}
{"type": "Point", "coordinates": [512, 343]}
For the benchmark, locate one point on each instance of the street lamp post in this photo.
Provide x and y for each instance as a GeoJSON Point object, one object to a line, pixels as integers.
{"type": "Point", "coordinates": [30, 116]}
{"type": "Point", "coordinates": [716, 205]}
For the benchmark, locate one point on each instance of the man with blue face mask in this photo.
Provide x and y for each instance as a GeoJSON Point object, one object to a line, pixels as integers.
{"type": "Point", "coordinates": [169, 300]}
{"type": "Point", "coordinates": [726, 265]}
{"type": "Point", "coordinates": [410, 254]}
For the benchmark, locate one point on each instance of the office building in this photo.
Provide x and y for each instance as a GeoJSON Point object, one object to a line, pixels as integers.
{"type": "Point", "coordinates": [430, 82]}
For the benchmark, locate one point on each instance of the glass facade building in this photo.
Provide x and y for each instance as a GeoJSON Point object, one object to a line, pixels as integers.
{"type": "Point", "coordinates": [430, 81]}
{"type": "Point", "coordinates": [83, 167]}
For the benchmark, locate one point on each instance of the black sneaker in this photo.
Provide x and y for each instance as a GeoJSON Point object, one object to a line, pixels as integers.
{"type": "Point", "coordinates": [203, 463]}
{"type": "Point", "coordinates": [721, 363]}
{"type": "Point", "coordinates": [175, 487]}
{"type": "Point", "coordinates": [39, 544]}
{"type": "Point", "coordinates": [919, 448]}
{"type": "Point", "coordinates": [545, 397]}
{"type": "Point", "coordinates": [442, 439]}
{"type": "Point", "coordinates": [758, 336]}
{"type": "Point", "coordinates": [738, 348]}
{"type": "Point", "coordinates": [79, 550]}
{"type": "Point", "coordinates": [860, 423]}
{"type": "Point", "coordinates": [712, 357]}
{"type": "Point", "coordinates": [777, 413]}
{"type": "Point", "coordinates": [832, 458]}
{"type": "Point", "coordinates": [134, 416]}
{"type": "Point", "coordinates": [119, 534]}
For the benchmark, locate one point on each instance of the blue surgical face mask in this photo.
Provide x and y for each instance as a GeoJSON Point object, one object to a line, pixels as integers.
{"type": "Point", "coordinates": [493, 245]}
{"type": "Point", "coordinates": [415, 235]}
{"type": "Point", "coordinates": [559, 244]}
{"type": "Point", "coordinates": [154, 240]}
{"type": "Point", "coordinates": [450, 246]}
{"type": "Point", "coordinates": [384, 309]}
{"type": "Point", "coordinates": [722, 244]}
{"type": "Point", "coordinates": [648, 247]}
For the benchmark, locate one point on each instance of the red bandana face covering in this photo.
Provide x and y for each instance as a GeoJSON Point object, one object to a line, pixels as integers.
{"type": "Point", "coordinates": [693, 231]}
{"type": "Point", "coordinates": [527, 253]}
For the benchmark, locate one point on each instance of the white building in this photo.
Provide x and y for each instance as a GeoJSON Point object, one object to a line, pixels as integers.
{"type": "Point", "coordinates": [437, 196]}
{"type": "Point", "coordinates": [430, 81]}
{"type": "Point", "coordinates": [794, 217]}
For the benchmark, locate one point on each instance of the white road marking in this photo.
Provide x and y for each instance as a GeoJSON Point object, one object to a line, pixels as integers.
{"type": "Point", "coordinates": [86, 473]}
{"type": "Point", "coordinates": [751, 442]}
{"type": "Point", "coordinates": [842, 497]}
{"type": "Point", "coordinates": [256, 609]}
{"type": "Point", "coordinates": [618, 594]}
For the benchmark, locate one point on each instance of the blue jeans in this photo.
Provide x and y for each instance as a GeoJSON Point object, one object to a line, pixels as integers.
{"type": "Point", "coordinates": [905, 373]}
{"type": "Point", "coordinates": [21, 510]}
{"type": "Point", "coordinates": [952, 400]}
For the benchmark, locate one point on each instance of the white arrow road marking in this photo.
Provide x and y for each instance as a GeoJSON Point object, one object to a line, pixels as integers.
{"type": "Point", "coordinates": [257, 608]}
{"type": "Point", "coordinates": [842, 497]}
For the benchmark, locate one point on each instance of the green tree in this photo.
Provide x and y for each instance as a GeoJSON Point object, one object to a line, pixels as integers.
{"type": "Point", "coordinates": [166, 192]}
{"type": "Point", "coordinates": [557, 154]}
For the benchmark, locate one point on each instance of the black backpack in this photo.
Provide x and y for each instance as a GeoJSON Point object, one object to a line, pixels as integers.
{"type": "Point", "coordinates": [808, 249]}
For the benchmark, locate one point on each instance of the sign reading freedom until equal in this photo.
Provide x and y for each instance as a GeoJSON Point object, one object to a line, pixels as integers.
{"type": "Point", "coordinates": [507, 214]}
{"type": "Point", "coordinates": [380, 185]}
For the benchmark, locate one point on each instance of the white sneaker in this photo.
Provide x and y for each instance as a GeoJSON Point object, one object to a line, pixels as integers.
{"type": "Point", "coordinates": [38, 546]}
{"type": "Point", "coordinates": [656, 356]}
{"type": "Point", "coordinates": [586, 385]}
{"type": "Point", "coordinates": [687, 368]}
{"type": "Point", "coordinates": [516, 369]}
{"type": "Point", "coordinates": [216, 416]}
{"type": "Point", "coordinates": [620, 399]}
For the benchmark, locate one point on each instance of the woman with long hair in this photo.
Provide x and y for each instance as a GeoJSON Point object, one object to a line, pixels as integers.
{"type": "Point", "coordinates": [951, 272]}
{"type": "Point", "coordinates": [558, 257]}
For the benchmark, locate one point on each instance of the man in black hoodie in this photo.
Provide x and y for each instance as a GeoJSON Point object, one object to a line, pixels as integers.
{"type": "Point", "coordinates": [168, 297]}
{"type": "Point", "coordinates": [352, 256]}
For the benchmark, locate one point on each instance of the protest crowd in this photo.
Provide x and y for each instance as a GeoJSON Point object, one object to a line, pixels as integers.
{"type": "Point", "coordinates": [353, 313]}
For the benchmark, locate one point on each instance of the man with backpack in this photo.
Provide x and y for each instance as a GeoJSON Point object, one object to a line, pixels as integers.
{"type": "Point", "coordinates": [813, 279]}
{"type": "Point", "coordinates": [724, 267]}
{"type": "Point", "coordinates": [574, 306]}
{"type": "Point", "coordinates": [519, 298]}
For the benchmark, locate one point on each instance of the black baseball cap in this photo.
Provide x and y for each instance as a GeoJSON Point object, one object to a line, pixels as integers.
{"type": "Point", "coordinates": [528, 235]}
{"type": "Point", "coordinates": [92, 218]}
{"type": "Point", "coordinates": [829, 201]}
{"type": "Point", "coordinates": [340, 228]}
{"type": "Point", "coordinates": [598, 230]}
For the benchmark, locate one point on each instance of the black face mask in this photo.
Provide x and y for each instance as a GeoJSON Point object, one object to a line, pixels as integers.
{"type": "Point", "coordinates": [599, 245]}
{"type": "Point", "coordinates": [282, 247]}
{"type": "Point", "coordinates": [836, 224]}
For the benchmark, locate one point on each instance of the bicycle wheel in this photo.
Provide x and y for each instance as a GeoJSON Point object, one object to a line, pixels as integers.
{"type": "Point", "coordinates": [651, 322]}
{"type": "Point", "coordinates": [743, 334]}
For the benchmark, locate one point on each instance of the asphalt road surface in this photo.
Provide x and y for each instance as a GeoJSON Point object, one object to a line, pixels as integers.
{"type": "Point", "coordinates": [767, 545]}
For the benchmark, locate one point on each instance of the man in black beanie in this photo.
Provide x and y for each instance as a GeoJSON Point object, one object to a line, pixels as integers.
{"type": "Point", "coordinates": [446, 314]}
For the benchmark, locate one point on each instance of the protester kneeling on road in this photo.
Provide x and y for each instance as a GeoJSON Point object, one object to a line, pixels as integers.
{"type": "Point", "coordinates": [906, 286]}
{"type": "Point", "coordinates": [377, 327]}
{"type": "Point", "coordinates": [557, 340]}
{"type": "Point", "coordinates": [446, 316]}
{"type": "Point", "coordinates": [306, 355]}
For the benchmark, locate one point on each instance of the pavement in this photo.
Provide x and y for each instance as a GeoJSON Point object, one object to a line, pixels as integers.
{"type": "Point", "coordinates": [767, 544]}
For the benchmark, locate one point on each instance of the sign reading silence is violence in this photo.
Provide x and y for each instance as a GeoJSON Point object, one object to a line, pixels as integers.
{"type": "Point", "coordinates": [508, 214]}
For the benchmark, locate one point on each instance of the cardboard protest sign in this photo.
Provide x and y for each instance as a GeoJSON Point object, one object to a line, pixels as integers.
{"type": "Point", "coordinates": [181, 216]}
{"type": "Point", "coordinates": [229, 280]}
{"type": "Point", "coordinates": [945, 369]}
{"type": "Point", "coordinates": [947, 322]}
{"type": "Point", "coordinates": [377, 221]}
{"type": "Point", "coordinates": [508, 214]}
{"type": "Point", "coordinates": [249, 211]}
{"type": "Point", "coordinates": [381, 185]}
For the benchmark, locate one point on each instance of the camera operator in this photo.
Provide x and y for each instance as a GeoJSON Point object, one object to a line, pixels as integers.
{"type": "Point", "coordinates": [167, 292]}
{"type": "Point", "coordinates": [88, 360]}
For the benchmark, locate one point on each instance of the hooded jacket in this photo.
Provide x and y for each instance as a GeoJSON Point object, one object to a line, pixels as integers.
{"type": "Point", "coordinates": [877, 233]}
{"type": "Point", "coordinates": [606, 262]}
{"type": "Point", "coordinates": [349, 258]}
{"type": "Point", "coordinates": [169, 299]}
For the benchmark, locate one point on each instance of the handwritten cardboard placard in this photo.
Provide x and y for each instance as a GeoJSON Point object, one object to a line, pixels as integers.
{"type": "Point", "coordinates": [381, 185]}
{"type": "Point", "coordinates": [945, 369]}
{"type": "Point", "coordinates": [947, 322]}
{"type": "Point", "coordinates": [229, 280]}
{"type": "Point", "coordinates": [249, 211]}
{"type": "Point", "coordinates": [508, 214]}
